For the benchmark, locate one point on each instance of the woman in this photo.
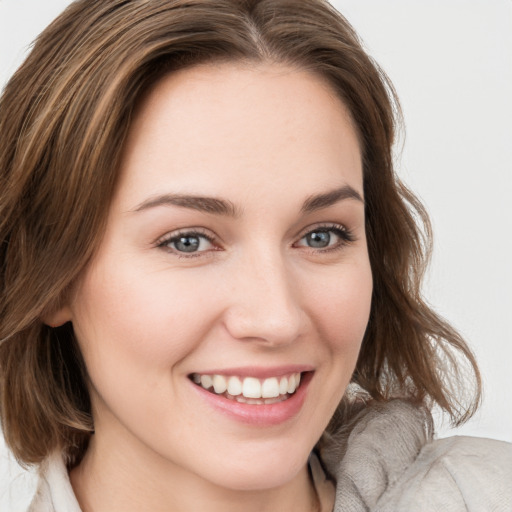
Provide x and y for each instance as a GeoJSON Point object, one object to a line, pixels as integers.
{"type": "Point", "coordinates": [210, 273]}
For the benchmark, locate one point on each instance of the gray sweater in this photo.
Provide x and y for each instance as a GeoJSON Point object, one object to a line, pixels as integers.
{"type": "Point", "coordinates": [383, 460]}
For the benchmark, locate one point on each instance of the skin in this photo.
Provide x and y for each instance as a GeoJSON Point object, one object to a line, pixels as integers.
{"type": "Point", "coordinates": [265, 138]}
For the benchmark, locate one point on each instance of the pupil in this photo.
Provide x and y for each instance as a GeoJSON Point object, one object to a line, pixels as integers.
{"type": "Point", "coordinates": [187, 243]}
{"type": "Point", "coordinates": [319, 239]}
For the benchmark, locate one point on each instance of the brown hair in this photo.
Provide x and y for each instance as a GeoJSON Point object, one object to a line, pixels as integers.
{"type": "Point", "coordinates": [64, 117]}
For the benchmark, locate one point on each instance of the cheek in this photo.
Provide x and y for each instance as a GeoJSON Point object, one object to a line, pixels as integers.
{"type": "Point", "coordinates": [131, 321]}
{"type": "Point", "coordinates": [134, 329]}
{"type": "Point", "coordinates": [341, 306]}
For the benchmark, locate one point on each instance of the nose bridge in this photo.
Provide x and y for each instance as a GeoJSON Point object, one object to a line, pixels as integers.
{"type": "Point", "coordinates": [265, 304]}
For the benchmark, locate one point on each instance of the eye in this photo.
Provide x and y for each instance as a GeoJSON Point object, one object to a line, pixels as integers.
{"type": "Point", "coordinates": [187, 243]}
{"type": "Point", "coordinates": [326, 237]}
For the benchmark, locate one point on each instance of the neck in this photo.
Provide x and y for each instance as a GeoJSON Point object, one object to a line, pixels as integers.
{"type": "Point", "coordinates": [110, 479]}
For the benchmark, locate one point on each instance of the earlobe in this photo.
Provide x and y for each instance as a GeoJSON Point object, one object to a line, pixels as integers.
{"type": "Point", "coordinates": [58, 317]}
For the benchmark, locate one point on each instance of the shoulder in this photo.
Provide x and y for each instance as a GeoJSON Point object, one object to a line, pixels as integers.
{"type": "Point", "coordinates": [455, 474]}
{"type": "Point", "coordinates": [384, 459]}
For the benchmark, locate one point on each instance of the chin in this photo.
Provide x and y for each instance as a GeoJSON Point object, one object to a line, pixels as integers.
{"type": "Point", "coordinates": [258, 475]}
{"type": "Point", "coordinates": [259, 466]}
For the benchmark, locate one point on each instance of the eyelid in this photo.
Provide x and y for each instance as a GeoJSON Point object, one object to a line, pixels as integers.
{"type": "Point", "coordinates": [183, 231]}
{"type": "Point", "coordinates": [322, 226]}
{"type": "Point", "coordinates": [345, 234]}
{"type": "Point", "coordinates": [162, 241]}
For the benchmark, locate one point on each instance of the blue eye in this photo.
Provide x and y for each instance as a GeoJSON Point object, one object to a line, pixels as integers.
{"type": "Point", "coordinates": [326, 238]}
{"type": "Point", "coordinates": [188, 243]}
{"type": "Point", "coordinates": [318, 239]}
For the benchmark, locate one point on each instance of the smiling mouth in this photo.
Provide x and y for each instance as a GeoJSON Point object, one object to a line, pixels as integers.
{"type": "Point", "coordinates": [250, 390]}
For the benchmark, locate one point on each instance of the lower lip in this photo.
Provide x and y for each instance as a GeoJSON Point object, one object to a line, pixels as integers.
{"type": "Point", "coordinates": [259, 414]}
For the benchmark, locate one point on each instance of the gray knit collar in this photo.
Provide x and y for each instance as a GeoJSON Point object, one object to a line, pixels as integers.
{"type": "Point", "coordinates": [369, 453]}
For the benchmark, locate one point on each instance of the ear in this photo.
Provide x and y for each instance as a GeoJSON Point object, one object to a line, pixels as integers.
{"type": "Point", "coordinates": [57, 317]}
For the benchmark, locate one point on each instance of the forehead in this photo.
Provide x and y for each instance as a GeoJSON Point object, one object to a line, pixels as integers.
{"type": "Point", "coordinates": [221, 123]}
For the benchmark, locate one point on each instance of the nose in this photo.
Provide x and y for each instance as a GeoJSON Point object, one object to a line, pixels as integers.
{"type": "Point", "coordinates": [264, 302]}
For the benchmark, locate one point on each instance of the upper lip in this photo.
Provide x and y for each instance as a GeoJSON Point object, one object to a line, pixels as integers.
{"type": "Point", "coordinates": [259, 371]}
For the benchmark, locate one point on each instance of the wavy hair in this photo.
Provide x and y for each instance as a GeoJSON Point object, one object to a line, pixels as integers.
{"type": "Point", "coordinates": [64, 118]}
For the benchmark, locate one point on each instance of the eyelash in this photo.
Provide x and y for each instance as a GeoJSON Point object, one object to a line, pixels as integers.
{"type": "Point", "coordinates": [346, 237]}
{"type": "Point", "coordinates": [164, 242]}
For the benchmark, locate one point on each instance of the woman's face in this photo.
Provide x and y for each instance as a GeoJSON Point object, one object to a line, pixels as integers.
{"type": "Point", "coordinates": [234, 256]}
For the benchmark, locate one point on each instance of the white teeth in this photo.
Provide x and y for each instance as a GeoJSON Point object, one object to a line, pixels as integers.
{"type": "Point", "coordinates": [283, 386]}
{"type": "Point", "coordinates": [291, 384]}
{"type": "Point", "coordinates": [219, 384]}
{"type": "Point", "coordinates": [251, 388]}
{"type": "Point", "coordinates": [258, 401]}
{"type": "Point", "coordinates": [234, 386]}
{"type": "Point", "coordinates": [270, 388]}
{"type": "Point", "coordinates": [255, 401]}
{"type": "Point", "coordinates": [206, 381]}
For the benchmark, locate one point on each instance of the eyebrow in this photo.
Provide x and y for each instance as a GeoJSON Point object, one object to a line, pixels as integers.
{"type": "Point", "coordinates": [203, 204]}
{"type": "Point", "coordinates": [216, 206]}
{"type": "Point", "coordinates": [324, 200]}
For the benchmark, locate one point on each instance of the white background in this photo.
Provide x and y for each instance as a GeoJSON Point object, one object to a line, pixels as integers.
{"type": "Point", "coordinates": [451, 63]}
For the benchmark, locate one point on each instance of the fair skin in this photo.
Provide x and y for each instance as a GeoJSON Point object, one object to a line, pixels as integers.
{"type": "Point", "coordinates": [257, 282]}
